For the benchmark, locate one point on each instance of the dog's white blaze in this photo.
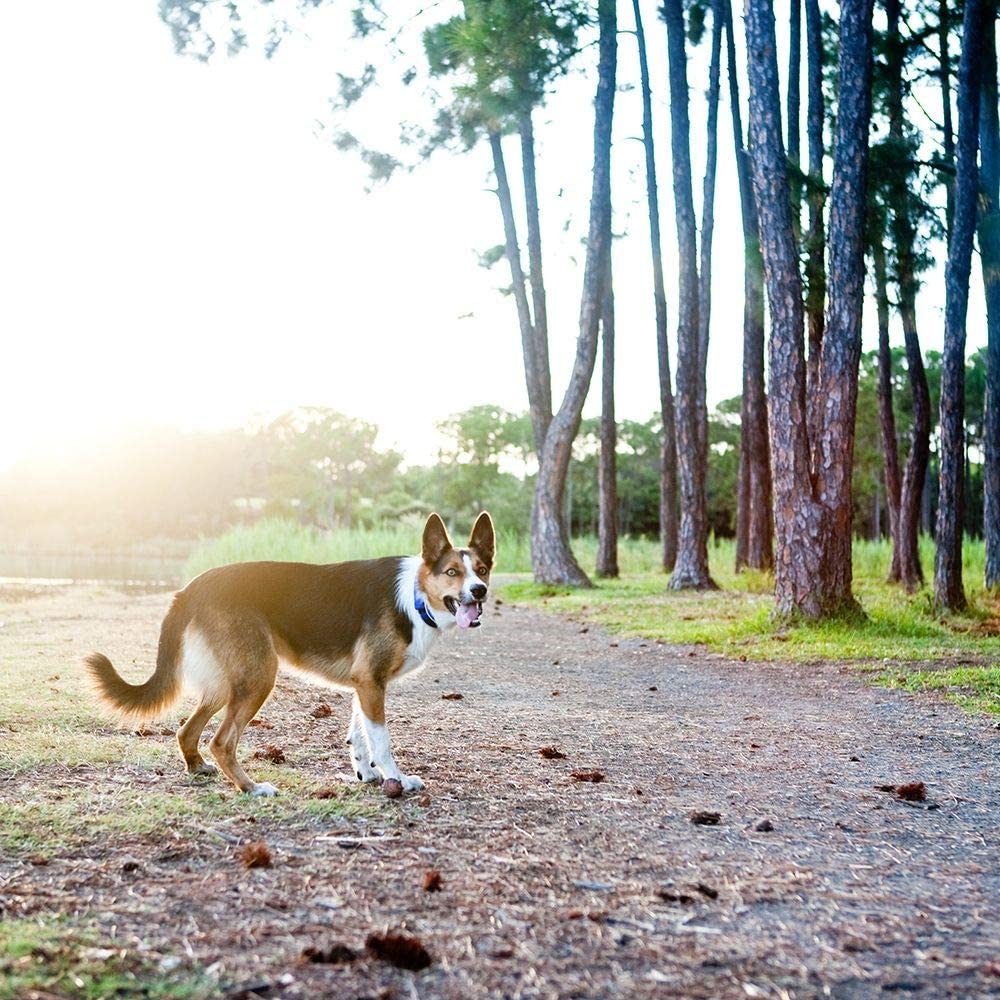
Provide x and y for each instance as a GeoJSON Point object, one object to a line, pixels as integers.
{"type": "Point", "coordinates": [199, 667]}
{"type": "Point", "coordinates": [471, 579]}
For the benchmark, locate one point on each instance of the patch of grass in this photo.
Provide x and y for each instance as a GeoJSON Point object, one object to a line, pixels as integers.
{"type": "Point", "coordinates": [75, 814]}
{"type": "Point", "coordinates": [976, 689]}
{"type": "Point", "coordinates": [279, 538]}
{"type": "Point", "coordinates": [736, 620]}
{"type": "Point", "coordinates": [55, 958]}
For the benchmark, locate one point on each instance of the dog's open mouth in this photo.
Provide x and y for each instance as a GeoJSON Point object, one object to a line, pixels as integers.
{"type": "Point", "coordinates": [466, 615]}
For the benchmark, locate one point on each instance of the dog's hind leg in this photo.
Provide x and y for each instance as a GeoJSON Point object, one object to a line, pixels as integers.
{"type": "Point", "coordinates": [251, 667]}
{"type": "Point", "coordinates": [358, 742]}
{"type": "Point", "coordinates": [190, 733]}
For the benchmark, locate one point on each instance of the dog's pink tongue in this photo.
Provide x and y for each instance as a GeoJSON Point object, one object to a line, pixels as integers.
{"type": "Point", "coordinates": [467, 614]}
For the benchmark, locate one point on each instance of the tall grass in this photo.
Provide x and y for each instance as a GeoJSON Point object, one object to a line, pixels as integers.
{"type": "Point", "coordinates": [278, 538]}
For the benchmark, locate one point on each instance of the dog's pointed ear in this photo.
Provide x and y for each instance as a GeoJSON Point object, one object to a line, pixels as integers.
{"type": "Point", "coordinates": [483, 538]}
{"type": "Point", "coordinates": [436, 541]}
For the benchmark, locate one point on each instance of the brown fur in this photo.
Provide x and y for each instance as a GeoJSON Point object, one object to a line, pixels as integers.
{"type": "Point", "coordinates": [230, 628]}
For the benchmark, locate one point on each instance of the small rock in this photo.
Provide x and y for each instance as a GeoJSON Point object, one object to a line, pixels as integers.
{"type": "Point", "coordinates": [763, 826]}
{"type": "Point", "coordinates": [452, 696]}
{"type": "Point", "coordinates": [400, 950]}
{"type": "Point", "coordinates": [335, 954]}
{"type": "Point", "coordinates": [255, 855]}
{"type": "Point", "coordinates": [391, 788]}
{"type": "Point", "coordinates": [703, 818]}
{"type": "Point", "coordinates": [321, 711]}
{"type": "Point", "coordinates": [432, 881]}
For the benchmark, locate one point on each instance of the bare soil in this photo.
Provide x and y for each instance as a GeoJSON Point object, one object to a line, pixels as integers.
{"type": "Point", "coordinates": [811, 882]}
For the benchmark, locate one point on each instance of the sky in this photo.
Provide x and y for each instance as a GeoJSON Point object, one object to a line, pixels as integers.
{"type": "Point", "coordinates": [182, 244]}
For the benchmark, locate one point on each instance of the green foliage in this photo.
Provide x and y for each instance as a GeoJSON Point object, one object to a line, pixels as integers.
{"type": "Point", "coordinates": [40, 957]}
{"type": "Point", "coordinates": [502, 56]}
{"type": "Point", "coordinates": [736, 621]}
{"type": "Point", "coordinates": [327, 466]}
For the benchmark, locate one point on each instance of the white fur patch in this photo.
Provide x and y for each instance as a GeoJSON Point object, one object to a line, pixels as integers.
{"type": "Point", "coordinates": [200, 669]}
{"type": "Point", "coordinates": [424, 637]}
{"type": "Point", "coordinates": [381, 754]}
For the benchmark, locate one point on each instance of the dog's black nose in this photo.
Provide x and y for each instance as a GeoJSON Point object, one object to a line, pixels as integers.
{"type": "Point", "coordinates": [478, 591]}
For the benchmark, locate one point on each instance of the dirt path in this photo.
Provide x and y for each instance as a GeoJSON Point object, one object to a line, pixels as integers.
{"type": "Point", "coordinates": [553, 887]}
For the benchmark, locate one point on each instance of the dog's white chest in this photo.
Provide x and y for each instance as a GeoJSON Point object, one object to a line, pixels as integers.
{"type": "Point", "coordinates": [419, 648]}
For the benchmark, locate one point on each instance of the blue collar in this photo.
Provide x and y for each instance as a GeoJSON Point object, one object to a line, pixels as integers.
{"type": "Point", "coordinates": [422, 609]}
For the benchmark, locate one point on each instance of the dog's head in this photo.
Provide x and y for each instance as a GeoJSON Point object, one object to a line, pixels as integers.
{"type": "Point", "coordinates": [456, 581]}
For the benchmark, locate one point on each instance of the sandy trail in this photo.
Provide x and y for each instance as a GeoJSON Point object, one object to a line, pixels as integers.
{"type": "Point", "coordinates": [553, 887]}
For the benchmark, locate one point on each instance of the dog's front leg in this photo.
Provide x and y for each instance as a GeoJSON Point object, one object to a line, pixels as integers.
{"type": "Point", "coordinates": [357, 740]}
{"type": "Point", "coordinates": [372, 700]}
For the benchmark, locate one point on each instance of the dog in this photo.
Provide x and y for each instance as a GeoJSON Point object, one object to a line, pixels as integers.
{"type": "Point", "coordinates": [357, 625]}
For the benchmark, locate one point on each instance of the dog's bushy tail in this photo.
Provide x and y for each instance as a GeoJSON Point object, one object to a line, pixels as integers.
{"type": "Point", "coordinates": [143, 701]}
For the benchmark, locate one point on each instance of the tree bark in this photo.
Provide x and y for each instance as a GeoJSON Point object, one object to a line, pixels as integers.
{"type": "Point", "coordinates": [540, 409]}
{"type": "Point", "coordinates": [947, 128]}
{"type": "Point", "coordinates": [793, 124]}
{"type": "Point", "coordinates": [691, 566]}
{"type": "Point", "coordinates": [812, 520]}
{"type": "Point", "coordinates": [989, 249]}
{"type": "Point", "coordinates": [668, 446]}
{"type": "Point", "coordinates": [607, 468]}
{"type": "Point", "coordinates": [886, 413]}
{"type": "Point", "coordinates": [901, 196]}
{"type": "Point", "coordinates": [838, 379]}
{"type": "Point", "coordinates": [552, 557]}
{"type": "Point", "coordinates": [949, 592]}
{"type": "Point", "coordinates": [708, 228]}
{"type": "Point", "coordinates": [540, 325]}
{"type": "Point", "coordinates": [815, 238]}
{"type": "Point", "coordinates": [754, 548]}
{"type": "Point", "coordinates": [796, 514]}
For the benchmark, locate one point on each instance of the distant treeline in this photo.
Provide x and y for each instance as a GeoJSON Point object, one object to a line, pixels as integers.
{"type": "Point", "coordinates": [326, 470]}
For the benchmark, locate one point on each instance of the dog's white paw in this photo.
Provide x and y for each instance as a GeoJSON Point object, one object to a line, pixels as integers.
{"type": "Point", "coordinates": [411, 783]}
{"type": "Point", "coordinates": [363, 771]}
{"type": "Point", "coordinates": [263, 790]}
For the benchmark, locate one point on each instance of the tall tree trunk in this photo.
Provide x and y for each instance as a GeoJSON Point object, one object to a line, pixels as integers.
{"type": "Point", "coordinates": [793, 124]}
{"type": "Point", "coordinates": [753, 513]}
{"type": "Point", "coordinates": [796, 514]}
{"type": "Point", "coordinates": [708, 228]}
{"type": "Point", "coordinates": [812, 529]}
{"type": "Point", "coordinates": [949, 593]}
{"type": "Point", "coordinates": [815, 238]}
{"type": "Point", "coordinates": [947, 128]}
{"type": "Point", "coordinates": [668, 445]}
{"type": "Point", "coordinates": [903, 234]}
{"type": "Point", "coordinates": [552, 557]}
{"type": "Point", "coordinates": [607, 467]}
{"type": "Point", "coordinates": [838, 380]}
{"type": "Point", "coordinates": [691, 566]}
{"type": "Point", "coordinates": [539, 397]}
{"type": "Point", "coordinates": [989, 249]}
{"type": "Point", "coordinates": [540, 325]}
{"type": "Point", "coordinates": [887, 416]}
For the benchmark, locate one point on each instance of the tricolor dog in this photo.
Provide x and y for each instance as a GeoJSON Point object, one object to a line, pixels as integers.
{"type": "Point", "coordinates": [357, 625]}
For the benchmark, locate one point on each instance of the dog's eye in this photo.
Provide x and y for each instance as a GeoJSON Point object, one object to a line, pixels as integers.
{"type": "Point", "coordinates": [453, 572]}
{"type": "Point", "coordinates": [481, 571]}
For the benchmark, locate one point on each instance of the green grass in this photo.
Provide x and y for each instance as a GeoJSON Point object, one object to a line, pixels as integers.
{"type": "Point", "coordinates": [897, 628]}
{"type": "Point", "coordinates": [58, 959]}
{"type": "Point", "coordinates": [277, 538]}
{"type": "Point", "coordinates": [976, 689]}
